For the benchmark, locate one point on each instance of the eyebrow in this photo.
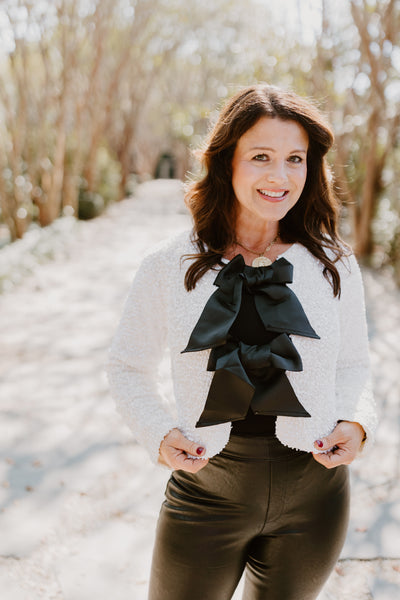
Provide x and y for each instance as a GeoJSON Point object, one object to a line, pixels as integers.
{"type": "Point", "coordinates": [273, 150]}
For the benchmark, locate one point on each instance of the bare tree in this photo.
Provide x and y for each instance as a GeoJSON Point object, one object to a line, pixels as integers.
{"type": "Point", "coordinates": [366, 113]}
{"type": "Point", "coordinates": [379, 32]}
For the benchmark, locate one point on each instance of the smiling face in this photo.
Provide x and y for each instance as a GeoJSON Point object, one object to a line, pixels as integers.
{"type": "Point", "coordinates": [269, 170]}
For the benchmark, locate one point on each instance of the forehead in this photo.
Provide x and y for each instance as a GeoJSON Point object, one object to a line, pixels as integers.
{"type": "Point", "coordinates": [273, 132]}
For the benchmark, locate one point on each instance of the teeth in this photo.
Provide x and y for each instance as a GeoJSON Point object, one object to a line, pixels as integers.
{"type": "Point", "coordinates": [273, 194]}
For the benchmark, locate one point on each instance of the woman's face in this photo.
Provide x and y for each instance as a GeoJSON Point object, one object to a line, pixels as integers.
{"type": "Point", "coordinates": [269, 169]}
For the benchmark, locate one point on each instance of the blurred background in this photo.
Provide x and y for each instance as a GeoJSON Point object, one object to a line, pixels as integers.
{"type": "Point", "coordinates": [97, 96]}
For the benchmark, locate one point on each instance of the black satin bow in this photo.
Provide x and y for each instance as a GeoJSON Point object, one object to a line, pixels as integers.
{"type": "Point", "coordinates": [238, 365]}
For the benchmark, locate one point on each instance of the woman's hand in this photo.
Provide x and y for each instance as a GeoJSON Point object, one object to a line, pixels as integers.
{"type": "Point", "coordinates": [174, 450]}
{"type": "Point", "coordinates": [342, 444]}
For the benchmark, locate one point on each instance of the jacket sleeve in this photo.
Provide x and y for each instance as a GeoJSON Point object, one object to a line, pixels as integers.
{"type": "Point", "coordinates": [135, 355]}
{"type": "Point", "coordinates": [354, 396]}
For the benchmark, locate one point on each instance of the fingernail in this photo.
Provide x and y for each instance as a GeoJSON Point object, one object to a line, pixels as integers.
{"type": "Point", "coordinates": [319, 443]}
{"type": "Point", "coordinates": [200, 450]}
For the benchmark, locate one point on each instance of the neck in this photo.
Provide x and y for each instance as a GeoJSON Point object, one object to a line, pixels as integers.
{"type": "Point", "coordinates": [256, 235]}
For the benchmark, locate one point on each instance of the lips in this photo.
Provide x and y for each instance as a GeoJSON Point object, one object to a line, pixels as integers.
{"type": "Point", "coordinates": [273, 195]}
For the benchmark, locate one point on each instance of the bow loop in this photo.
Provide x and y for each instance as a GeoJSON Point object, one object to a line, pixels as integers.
{"type": "Point", "coordinates": [280, 271]}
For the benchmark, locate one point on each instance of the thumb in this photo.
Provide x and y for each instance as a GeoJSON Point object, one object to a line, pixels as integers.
{"type": "Point", "coordinates": [326, 443]}
{"type": "Point", "coordinates": [187, 446]}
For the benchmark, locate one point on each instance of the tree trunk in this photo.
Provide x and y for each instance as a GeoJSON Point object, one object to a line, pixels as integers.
{"type": "Point", "coordinates": [53, 203]}
{"type": "Point", "coordinates": [366, 212]}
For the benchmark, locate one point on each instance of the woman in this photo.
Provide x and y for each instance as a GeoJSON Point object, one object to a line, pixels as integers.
{"type": "Point", "coordinates": [262, 310]}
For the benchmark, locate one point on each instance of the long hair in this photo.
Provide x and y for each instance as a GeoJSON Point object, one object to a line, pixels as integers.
{"type": "Point", "coordinates": [312, 221]}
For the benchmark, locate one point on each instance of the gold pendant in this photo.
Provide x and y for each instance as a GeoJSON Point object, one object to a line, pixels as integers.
{"type": "Point", "coordinates": [261, 261]}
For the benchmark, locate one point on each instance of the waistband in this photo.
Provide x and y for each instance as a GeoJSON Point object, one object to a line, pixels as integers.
{"type": "Point", "coordinates": [259, 448]}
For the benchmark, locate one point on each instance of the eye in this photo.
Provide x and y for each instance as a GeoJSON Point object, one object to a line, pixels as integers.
{"type": "Point", "coordinates": [296, 159]}
{"type": "Point", "coordinates": [261, 157]}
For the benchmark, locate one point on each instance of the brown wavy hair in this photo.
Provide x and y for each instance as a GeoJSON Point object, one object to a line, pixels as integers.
{"type": "Point", "coordinates": [312, 221]}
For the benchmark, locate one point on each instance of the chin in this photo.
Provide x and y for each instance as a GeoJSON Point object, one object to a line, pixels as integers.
{"type": "Point", "coordinates": [276, 214]}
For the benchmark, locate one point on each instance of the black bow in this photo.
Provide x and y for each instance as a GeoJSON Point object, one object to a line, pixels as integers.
{"type": "Point", "coordinates": [236, 364]}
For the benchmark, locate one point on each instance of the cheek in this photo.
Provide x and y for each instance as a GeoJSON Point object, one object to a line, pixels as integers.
{"type": "Point", "coordinates": [239, 177]}
{"type": "Point", "coordinates": [244, 174]}
{"type": "Point", "coordinates": [301, 177]}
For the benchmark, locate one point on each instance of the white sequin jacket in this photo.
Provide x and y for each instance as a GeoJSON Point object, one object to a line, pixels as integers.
{"type": "Point", "coordinates": [160, 314]}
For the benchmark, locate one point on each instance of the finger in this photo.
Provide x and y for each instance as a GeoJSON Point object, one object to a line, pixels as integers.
{"type": "Point", "coordinates": [178, 460]}
{"type": "Point", "coordinates": [190, 465]}
{"type": "Point", "coordinates": [329, 460]}
{"type": "Point", "coordinates": [178, 440]}
{"type": "Point", "coordinates": [333, 459]}
{"type": "Point", "coordinates": [328, 442]}
{"type": "Point", "coordinates": [346, 433]}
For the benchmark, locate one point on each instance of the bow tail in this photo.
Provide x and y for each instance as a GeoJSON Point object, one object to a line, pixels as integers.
{"type": "Point", "coordinates": [268, 399]}
{"type": "Point", "coordinates": [228, 399]}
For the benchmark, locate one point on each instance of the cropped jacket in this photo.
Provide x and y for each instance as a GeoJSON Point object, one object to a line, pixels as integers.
{"type": "Point", "coordinates": [158, 319]}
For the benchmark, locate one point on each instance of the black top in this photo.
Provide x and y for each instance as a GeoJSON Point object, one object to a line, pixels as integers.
{"type": "Point", "coordinates": [246, 323]}
{"type": "Point", "coordinates": [249, 328]}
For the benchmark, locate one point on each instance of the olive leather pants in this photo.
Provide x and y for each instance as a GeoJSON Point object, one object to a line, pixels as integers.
{"type": "Point", "coordinates": [257, 506]}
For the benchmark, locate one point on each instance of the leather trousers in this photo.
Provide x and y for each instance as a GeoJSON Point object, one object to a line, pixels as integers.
{"type": "Point", "coordinates": [257, 507]}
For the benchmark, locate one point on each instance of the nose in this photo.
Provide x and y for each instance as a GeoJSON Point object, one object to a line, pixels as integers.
{"type": "Point", "coordinates": [277, 172]}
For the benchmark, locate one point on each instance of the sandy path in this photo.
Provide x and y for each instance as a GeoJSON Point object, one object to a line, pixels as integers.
{"type": "Point", "coordinates": [78, 497]}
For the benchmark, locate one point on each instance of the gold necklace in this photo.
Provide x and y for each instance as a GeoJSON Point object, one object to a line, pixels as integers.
{"type": "Point", "coordinates": [260, 260]}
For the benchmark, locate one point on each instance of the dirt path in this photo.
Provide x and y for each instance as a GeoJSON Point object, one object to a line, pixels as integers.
{"type": "Point", "coordinates": [78, 497]}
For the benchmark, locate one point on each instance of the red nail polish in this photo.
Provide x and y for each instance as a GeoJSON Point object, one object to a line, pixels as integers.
{"type": "Point", "coordinates": [200, 450]}
{"type": "Point", "coordinates": [319, 443]}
